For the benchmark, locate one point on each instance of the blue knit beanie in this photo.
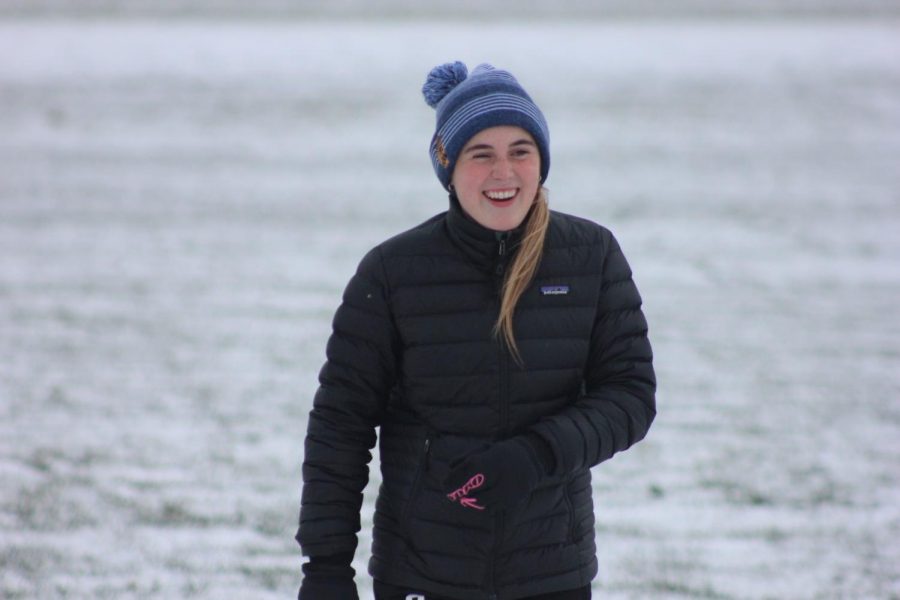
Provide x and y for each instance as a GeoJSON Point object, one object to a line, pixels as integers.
{"type": "Point", "coordinates": [466, 104]}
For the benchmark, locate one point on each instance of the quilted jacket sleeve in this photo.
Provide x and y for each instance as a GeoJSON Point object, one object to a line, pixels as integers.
{"type": "Point", "coordinates": [354, 385]}
{"type": "Point", "coordinates": [618, 403]}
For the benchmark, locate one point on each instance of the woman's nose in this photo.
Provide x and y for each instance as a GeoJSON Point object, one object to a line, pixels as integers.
{"type": "Point", "coordinates": [502, 168]}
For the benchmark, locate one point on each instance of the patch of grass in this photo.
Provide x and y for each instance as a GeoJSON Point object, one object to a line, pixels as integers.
{"type": "Point", "coordinates": [671, 588]}
{"type": "Point", "coordinates": [272, 523]}
{"type": "Point", "coordinates": [30, 562]}
{"type": "Point", "coordinates": [271, 578]}
{"type": "Point", "coordinates": [47, 507]}
{"type": "Point", "coordinates": [193, 588]}
{"type": "Point", "coordinates": [739, 493]}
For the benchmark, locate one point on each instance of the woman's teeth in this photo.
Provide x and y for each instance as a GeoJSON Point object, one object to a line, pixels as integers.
{"type": "Point", "coordinates": [501, 195]}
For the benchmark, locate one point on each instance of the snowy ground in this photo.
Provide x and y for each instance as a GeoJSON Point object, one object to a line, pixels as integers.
{"type": "Point", "coordinates": [182, 203]}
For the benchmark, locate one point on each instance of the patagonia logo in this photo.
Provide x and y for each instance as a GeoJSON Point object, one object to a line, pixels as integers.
{"type": "Point", "coordinates": [554, 290]}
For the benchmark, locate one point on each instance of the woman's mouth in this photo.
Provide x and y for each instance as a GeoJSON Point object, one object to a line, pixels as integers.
{"type": "Point", "coordinates": [501, 196]}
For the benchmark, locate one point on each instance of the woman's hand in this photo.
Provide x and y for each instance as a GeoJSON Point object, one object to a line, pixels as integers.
{"type": "Point", "coordinates": [328, 578]}
{"type": "Point", "coordinates": [499, 477]}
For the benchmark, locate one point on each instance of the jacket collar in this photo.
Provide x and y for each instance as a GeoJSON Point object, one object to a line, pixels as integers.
{"type": "Point", "coordinates": [478, 243]}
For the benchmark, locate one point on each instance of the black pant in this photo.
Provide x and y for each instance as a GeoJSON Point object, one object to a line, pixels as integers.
{"type": "Point", "coordinates": [384, 591]}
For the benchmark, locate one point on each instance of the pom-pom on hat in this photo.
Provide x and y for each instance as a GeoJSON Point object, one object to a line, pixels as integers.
{"type": "Point", "coordinates": [468, 103]}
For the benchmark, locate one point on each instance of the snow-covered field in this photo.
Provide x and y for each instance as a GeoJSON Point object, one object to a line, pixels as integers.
{"type": "Point", "coordinates": [182, 202]}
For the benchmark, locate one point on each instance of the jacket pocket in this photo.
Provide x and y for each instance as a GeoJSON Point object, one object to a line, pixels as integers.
{"type": "Point", "coordinates": [418, 480]}
{"type": "Point", "coordinates": [570, 509]}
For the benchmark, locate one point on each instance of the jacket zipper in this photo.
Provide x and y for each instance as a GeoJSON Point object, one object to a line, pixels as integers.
{"type": "Point", "coordinates": [498, 535]}
{"type": "Point", "coordinates": [503, 407]}
{"type": "Point", "coordinates": [501, 254]}
{"type": "Point", "coordinates": [504, 390]}
{"type": "Point", "coordinates": [503, 410]}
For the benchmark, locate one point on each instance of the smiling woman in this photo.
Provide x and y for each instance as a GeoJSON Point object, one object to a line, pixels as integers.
{"type": "Point", "coordinates": [497, 177]}
{"type": "Point", "coordinates": [502, 350]}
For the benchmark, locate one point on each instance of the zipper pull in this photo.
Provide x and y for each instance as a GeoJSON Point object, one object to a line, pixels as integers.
{"type": "Point", "coordinates": [502, 236]}
{"type": "Point", "coordinates": [427, 453]}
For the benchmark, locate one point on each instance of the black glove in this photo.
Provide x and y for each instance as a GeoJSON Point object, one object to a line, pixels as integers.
{"type": "Point", "coordinates": [500, 476]}
{"type": "Point", "coordinates": [328, 578]}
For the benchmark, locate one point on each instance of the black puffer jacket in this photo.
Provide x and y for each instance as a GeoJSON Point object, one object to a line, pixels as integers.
{"type": "Point", "coordinates": [413, 352]}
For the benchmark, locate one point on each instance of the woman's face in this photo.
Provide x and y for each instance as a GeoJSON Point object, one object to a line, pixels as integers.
{"type": "Point", "coordinates": [497, 176]}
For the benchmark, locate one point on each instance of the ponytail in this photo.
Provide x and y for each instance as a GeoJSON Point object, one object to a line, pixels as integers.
{"type": "Point", "coordinates": [522, 271]}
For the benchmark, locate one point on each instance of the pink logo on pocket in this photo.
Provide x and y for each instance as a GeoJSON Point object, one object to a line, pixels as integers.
{"type": "Point", "coordinates": [470, 503]}
{"type": "Point", "coordinates": [462, 493]}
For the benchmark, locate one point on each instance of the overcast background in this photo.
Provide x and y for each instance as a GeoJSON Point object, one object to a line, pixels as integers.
{"type": "Point", "coordinates": [185, 188]}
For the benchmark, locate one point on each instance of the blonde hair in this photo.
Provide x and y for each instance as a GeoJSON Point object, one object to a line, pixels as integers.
{"type": "Point", "coordinates": [522, 271]}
